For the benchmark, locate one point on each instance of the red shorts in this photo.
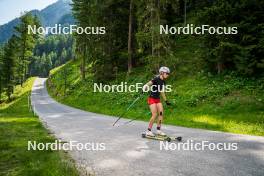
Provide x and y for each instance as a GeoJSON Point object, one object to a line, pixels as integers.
{"type": "Point", "coordinates": [153, 100]}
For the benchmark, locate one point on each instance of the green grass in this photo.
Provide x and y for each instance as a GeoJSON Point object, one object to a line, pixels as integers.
{"type": "Point", "coordinates": [222, 103]}
{"type": "Point", "coordinates": [17, 127]}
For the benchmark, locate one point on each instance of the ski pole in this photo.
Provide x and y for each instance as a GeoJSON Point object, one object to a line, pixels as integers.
{"type": "Point", "coordinates": [127, 109]}
{"type": "Point", "coordinates": [125, 123]}
{"type": "Point", "coordinates": [130, 121]}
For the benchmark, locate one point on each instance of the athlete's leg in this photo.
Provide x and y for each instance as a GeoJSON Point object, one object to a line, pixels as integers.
{"type": "Point", "coordinates": [160, 115]}
{"type": "Point", "coordinates": [154, 111]}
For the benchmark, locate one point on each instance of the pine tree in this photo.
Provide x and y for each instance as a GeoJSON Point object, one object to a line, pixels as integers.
{"type": "Point", "coordinates": [151, 44]}
{"type": "Point", "coordinates": [1, 71]}
{"type": "Point", "coordinates": [104, 52]}
{"type": "Point", "coordinates": [26, 42]}
{"type": "Point", "coordinates": [9, 63]}
{"type": "Point", "coordinates": [130, 34]}
{"type": "Point", "coordinates": [242, 52]}
{"type": "Point", "coordinates": [82, 11]}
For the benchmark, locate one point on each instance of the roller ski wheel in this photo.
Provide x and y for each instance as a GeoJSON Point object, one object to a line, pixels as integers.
{"type": "Point", "coordinates": [179, 138]}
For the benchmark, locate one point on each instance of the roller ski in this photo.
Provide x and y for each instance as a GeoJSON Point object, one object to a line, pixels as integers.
{"type": "Point", "coordinates": [160, 136]}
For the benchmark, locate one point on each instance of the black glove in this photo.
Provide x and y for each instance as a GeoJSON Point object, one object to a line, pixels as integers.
{"type": "Point", "coordinates": [167, 103]}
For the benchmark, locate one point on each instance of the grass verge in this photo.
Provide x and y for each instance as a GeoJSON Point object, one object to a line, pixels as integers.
{"type": "Point", "coordinates": [17, 127]}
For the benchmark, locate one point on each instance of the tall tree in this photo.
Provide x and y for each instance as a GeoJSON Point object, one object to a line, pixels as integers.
{"type": "Point", "coordinates": [9, 65]}
{"type": "Point", "coordinates": [130, 33]}
{"type": "Point", "coordinates": [242, 52]}
{"type": "Point", "coordinates": [26, 42]}
{"type": "Point", "coordinates": [82, 11]}
{"type": "Point", "coordinates": [103, 52]}
{"type": "Point", "coordinates": [1, 71]}
{"type": "Point", "coordinates": [151, 44]}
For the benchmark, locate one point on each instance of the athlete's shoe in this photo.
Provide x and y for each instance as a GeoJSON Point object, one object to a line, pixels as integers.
{"type": "Point", "coordinates": [149, 133]}
{"type": "Point", "coordinates": [160, 133]}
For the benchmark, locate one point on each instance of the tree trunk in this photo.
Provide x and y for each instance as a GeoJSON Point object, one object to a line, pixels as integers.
{"type": "Point", "coordinates": [25, 72]}
{"type": "Point", "coordinates": [152, 29]}
{"type": "Point", "coordinates": [8, 93]}
{"type": "Point", "coordinates": [21, 81]}
{"type": "Point", "coordinates": [23, 60]}
{"type": "Point", "coordinates": [158, 35]}
{"type": "Point", "coordinates": [219, 68]}
{"type": "Point", "coordinates": [130, 53]}
{"type": "Point", "coordinates": [0, 89]}
{"type": "Point", "coordinates": [65, 80]}
{"type": "Point", "coordinates": [83, 64]}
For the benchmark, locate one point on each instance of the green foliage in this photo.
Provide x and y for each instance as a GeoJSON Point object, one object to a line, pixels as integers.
{"type": "Point", "coordinates": [104, 52]}
{"type": "Point", "coordinates": [242, 52]}
{"type": "Point", "coordinates": [1, 72]}
{"type": "Point", "coordinates": [50, 52]}
{"type": "Point", "coordinates": [26, 42]}
{"type": "Point", "coordinates": [9, 63]}
{"type": "Point", "coordinates": [17, 127]}
{"type": "Point", "coordinates": [16, 55]}
{"type": "Point", "coordinates": [151, 45]}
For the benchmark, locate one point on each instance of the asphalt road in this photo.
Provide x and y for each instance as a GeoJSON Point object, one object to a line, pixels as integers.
{"type": "Point", "coordinates": [126, 153]}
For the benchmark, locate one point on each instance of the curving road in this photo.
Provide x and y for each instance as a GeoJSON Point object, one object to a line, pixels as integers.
{"type": "Point", "coordinates": [126, 153]}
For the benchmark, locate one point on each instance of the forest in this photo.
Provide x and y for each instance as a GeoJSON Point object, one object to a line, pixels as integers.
{"type": "Point", "coordinates": [27, 54]}
{"type": "Point", "coordinates": [133, 37]}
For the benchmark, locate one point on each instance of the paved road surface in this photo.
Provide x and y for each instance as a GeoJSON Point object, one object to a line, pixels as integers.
{"type": "Point", "coordinates": [128, 154]}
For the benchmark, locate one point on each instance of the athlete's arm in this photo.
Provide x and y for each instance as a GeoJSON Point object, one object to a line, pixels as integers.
{"type": "Point", "coordinates": [163, 96]}
{"type": "Point", "coordinates": [146, 86]}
